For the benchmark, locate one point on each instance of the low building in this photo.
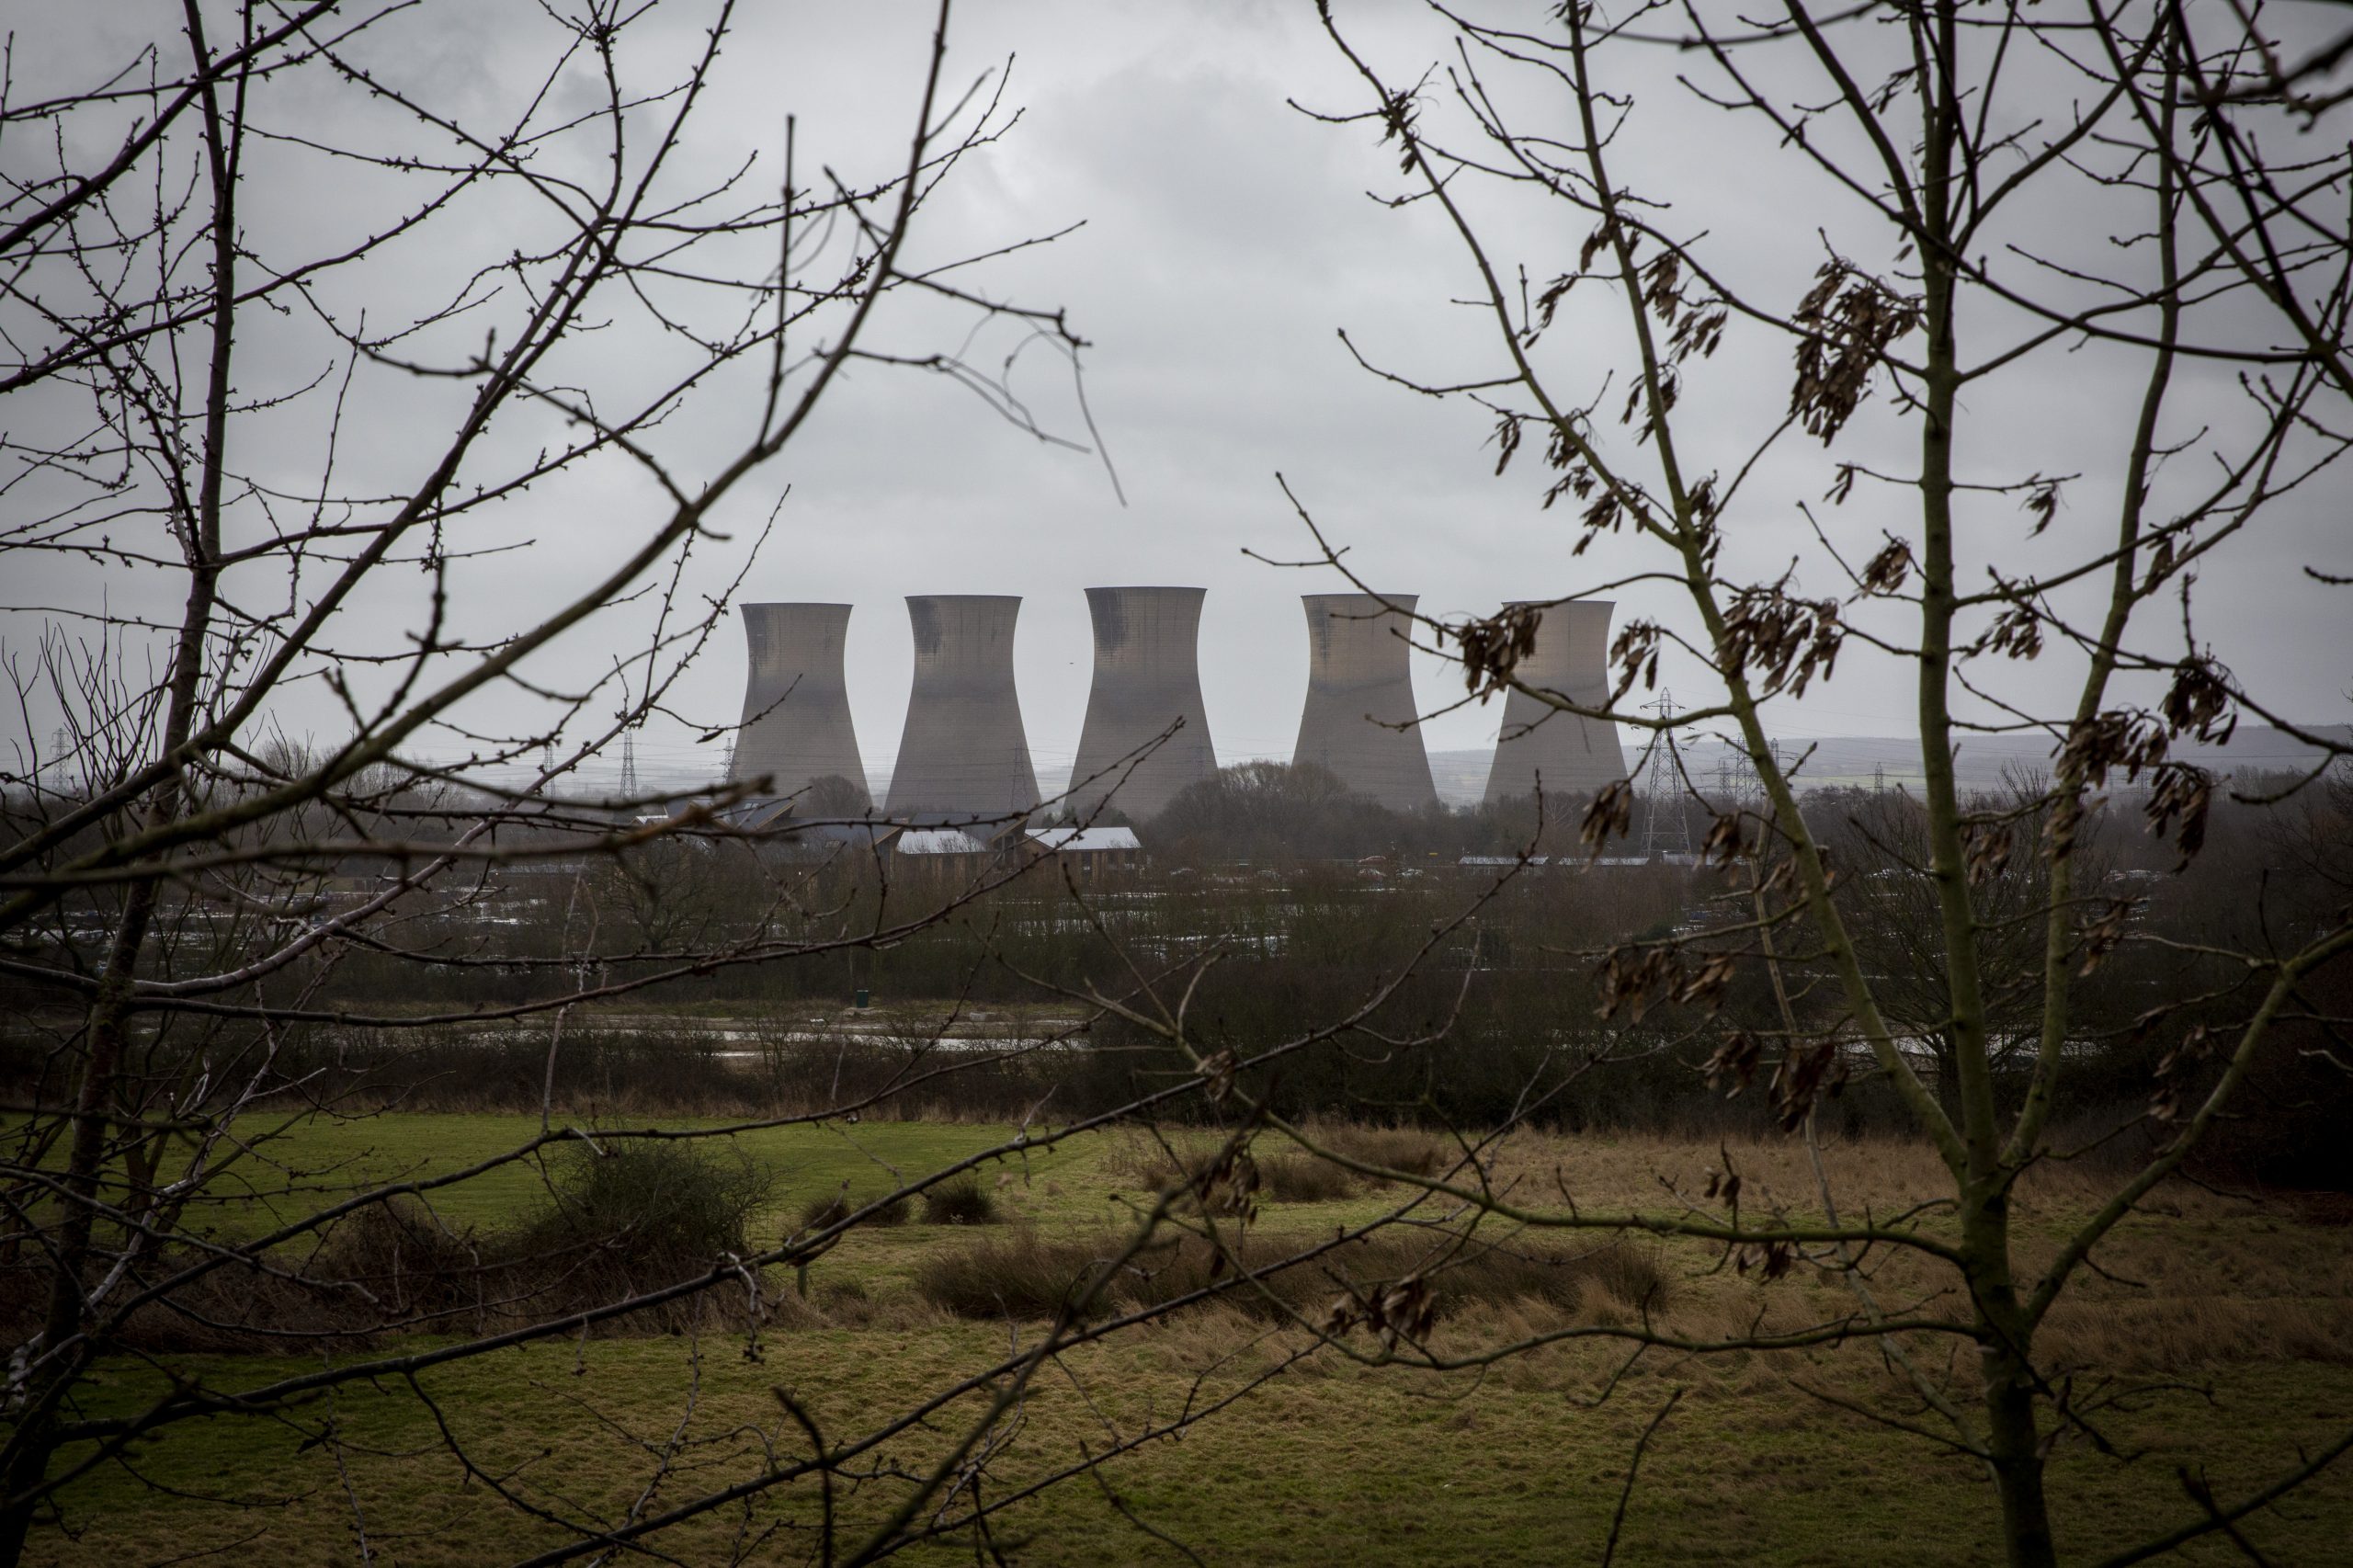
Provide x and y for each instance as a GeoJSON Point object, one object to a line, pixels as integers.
{"type": "Point", "coordinates": [943, 852]}
{"type": "Point", "coordinates": [770, 821]}
{"type": "Point", "coordinates": [1086, 851]}
{"type": "Point", "coordinates": [833, 840]}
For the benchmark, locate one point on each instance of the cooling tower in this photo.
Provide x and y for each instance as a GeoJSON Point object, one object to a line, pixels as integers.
{"type": "Point", "coordinates": [1147, 677]}
{"type": "Point", "coordinates": [1575, 757]}
{"type": "Point", "coordinates": [963, 755]}
{"type": "Point", "coordinates": [1359, 687]}
{"type": "Point", "coordinates": [796, 725]}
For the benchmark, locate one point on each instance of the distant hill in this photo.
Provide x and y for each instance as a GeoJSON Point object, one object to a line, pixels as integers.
{"type": "Point", "coordinates": [1983, 760]}
{"type": "Point", "coordinates": [1461, 776]}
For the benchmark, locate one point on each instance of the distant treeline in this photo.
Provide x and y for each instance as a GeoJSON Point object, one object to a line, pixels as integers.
{"type": "Point", "coordinates": [1450, 994]}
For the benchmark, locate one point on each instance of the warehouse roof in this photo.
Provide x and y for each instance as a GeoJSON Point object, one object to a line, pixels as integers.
{"type": "Point", "coordinates": [939, 841]}
{"type": "Point", "coordinates": [1085, 840]}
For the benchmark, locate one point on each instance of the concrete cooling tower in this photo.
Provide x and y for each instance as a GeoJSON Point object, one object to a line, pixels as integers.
{"type": "Point", "coordinates": [1359, 684]}
{"type": "Point", "coordinates": [1147, 677]}
{"type": "Point", "coordinates": [796, 726]}
{"type": "Point", "coordinates": [963, 753]}
{"type": "Point", "coordinates": [1574, 755]}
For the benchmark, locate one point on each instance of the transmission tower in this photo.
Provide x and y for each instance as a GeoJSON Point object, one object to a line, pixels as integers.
{"type": "Point", "coordinates": [629, 763]}
{"type": "Point", "coordinates": [1664, 789]}
{"type": "Point", "coordinates": [1738, 783]}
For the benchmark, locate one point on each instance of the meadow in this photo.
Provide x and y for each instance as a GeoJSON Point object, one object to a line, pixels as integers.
{"type": "Point", "coordinates": [2216, 1345]}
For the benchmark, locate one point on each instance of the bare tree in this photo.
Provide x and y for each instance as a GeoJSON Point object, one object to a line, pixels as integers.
{"type": "Point", "coordinates": [2206, 274]}
{"type": "Point", "coordinates": [294, 322]}
{"type": "Point", "coordinates": [196, 903]}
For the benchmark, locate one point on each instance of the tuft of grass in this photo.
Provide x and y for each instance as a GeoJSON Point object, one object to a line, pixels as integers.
{"type": "Point", "coordinates": [1021, 1276]}
{"type": "Point", "coordinates": [1141, 1159]}
{"type": "Point", "coordinates": [1027, 1276]}
{"type": "Point", "coordinates": [961, 1200]}
{"type": "Point", "coordinates": [1404, 1149]}
{"type": "Point", "coordinates": [1297, 1176]}
{"type": "Point", "coordinates": [830, 1209]}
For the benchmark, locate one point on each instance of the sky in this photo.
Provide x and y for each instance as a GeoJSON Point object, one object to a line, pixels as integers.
{"type": "Point", "coordinates": [1224, 241]}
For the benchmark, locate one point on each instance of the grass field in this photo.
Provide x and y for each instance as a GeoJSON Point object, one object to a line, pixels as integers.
{"type": "Point", "coordinates": [2220, 1344]}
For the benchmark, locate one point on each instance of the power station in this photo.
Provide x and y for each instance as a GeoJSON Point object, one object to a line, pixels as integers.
{"type": "Point", "coordinates": [1147, 679]}
{"type": "Point", "coordinates": [963, 753]}
{"type": "Point", "coordinates": [1571, 755]}
{"type": "Point", "coordinates": [1360, 718]}
{"type": "Point", "coordinates": [796, 726]}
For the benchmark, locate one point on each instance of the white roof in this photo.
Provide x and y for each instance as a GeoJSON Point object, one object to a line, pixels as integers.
{"type": "Point", "coordinates": [1085, 840]}
{"type": "Point", "coordinates": [939, 841]}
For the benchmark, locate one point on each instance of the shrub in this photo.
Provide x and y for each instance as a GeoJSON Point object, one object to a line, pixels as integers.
{"type": "Point", "coordinates": [960, 1200]}
{"type": "Point", "coordinates": [408, 1258]}
{"type": "Point", "coordinates": [638, 1213]}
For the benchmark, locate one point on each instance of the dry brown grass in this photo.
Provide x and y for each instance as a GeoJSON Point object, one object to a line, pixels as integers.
{"type": "Point", "coordinates": [1295, 1177]}
{"type": "Point", "coordinates": [1283, 1174]}
{"type": "Point", "coordinates": [2176, 1333]}
{"type": "Point", "coordinates": [1406, 1149]}
{"type": "Point", "coordinates": [1881, 1174]}
{"type": "Point", "coordinates": [1276, 1174]}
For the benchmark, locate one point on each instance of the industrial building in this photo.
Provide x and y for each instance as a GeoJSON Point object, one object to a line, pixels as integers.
{"type": "Point", "coordinates": [1088, 853]}
{"type": "Point", "coordinates": [1360, 720]}
{"type": "Point", "coordinates": [963, 755]}
{"type": "Point", "coordinates": [1147, 680]}
{"type": "Point", "coordinates": [796, 725]}
{"type": "Point", "coordinates": [1574, 755]}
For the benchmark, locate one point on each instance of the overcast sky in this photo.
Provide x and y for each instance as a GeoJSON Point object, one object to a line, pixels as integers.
{"type": "Point", "coordinates": [1226, 240]}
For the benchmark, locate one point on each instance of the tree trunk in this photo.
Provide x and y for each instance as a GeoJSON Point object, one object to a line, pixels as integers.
{"type": "Point", "coordinates": [2016, 1452]}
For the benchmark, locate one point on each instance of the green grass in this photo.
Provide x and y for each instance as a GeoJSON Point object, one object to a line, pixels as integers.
{"type": "Point", "coordinates": [1346, 1465]}
{"type": "Point", "coordinates": [1330, 1463]}
{"type": "Point", "coordinates": [291, 1169]}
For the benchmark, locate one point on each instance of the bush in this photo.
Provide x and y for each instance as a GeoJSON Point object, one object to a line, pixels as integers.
{"type": "Point", "coordinates": [640, 1214]}
{"type": "Point", "coordinates": [408, 1258]}
{"type": "Point", "coordinates": [961, 1200]}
